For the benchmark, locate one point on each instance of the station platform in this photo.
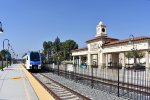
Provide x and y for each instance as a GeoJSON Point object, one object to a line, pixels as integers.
{"type": "Point", "coordinates": [16, 83]}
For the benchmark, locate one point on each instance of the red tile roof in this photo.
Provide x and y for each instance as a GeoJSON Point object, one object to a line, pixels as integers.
{"type": "Point", "coordinates": [100, 37]}
{"type": "Point", "coordinates": [127, 40]}
{"type": "Point", "coordinates": [114, 41]}
{"type": "Point", "coordinates": [80, 49]}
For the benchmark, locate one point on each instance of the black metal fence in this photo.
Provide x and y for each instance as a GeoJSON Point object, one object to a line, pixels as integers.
{"type": "Point", "coordinates": [130, 83]}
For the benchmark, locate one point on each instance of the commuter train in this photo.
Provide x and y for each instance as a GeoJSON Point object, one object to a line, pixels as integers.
{"type": "Point", "coordinates": [32, 60]}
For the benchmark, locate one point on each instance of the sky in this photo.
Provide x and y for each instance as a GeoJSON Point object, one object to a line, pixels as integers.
{"type": "Point", "coordinates": [28, 23]}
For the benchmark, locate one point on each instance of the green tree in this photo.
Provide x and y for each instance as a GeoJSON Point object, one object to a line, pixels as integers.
{"type": "Point", "coordinates": [139, 55]}
{"type": "Point", "coordinates": [58, 57]}
{"type": "Point", "coordinates": [48, 48]}
{"type": "Point", "coordinates": [43, 58]}
{"type": "Point", "coordinates": [63, 49]}
{"type": "Point", "coordinates": [4, 54]}
{"type": "Point", "coordinates": [56, 45]}
{"type": "Point", "coordinates": [83, 59]}
{"type": "Point", "coordinates": [45, 47]}
{"type": "Point", "coordinates": [67, 46]}
{"type": "Point", "coordinates": [129, 55]}
{"type": "Point", "coordinates": [53, 49]}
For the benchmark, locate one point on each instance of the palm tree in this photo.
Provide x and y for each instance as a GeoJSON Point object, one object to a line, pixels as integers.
{"type": "Point", "coordinates": [3, 54]}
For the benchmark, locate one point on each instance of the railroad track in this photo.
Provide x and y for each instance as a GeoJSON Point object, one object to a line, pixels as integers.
{"type": "Point", "coordinates": [57, 90]}
{"type": "Point", "coordinates": [126, 86]}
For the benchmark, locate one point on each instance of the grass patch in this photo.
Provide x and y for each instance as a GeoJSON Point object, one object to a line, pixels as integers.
{"type": "Point", "coordinates": [1, 66]}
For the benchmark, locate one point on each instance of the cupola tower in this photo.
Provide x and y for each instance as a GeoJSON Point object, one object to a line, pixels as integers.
{"type": "Point", "coordinates": [101, 29]}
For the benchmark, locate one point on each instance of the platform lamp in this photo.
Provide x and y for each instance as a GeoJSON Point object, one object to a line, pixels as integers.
{"type": "Point", "coordinates": [11, 50]}
{"type": "Point", "coordinates": [133, 48]}
{"type": "Point", "coordinates": [1, 30]}
{"type": "Point", "coordinates": [3, 51]}
{"type": "Point", "coordinates": [13, 56]}
{"type": "Point", "coordinates": [8, 55]}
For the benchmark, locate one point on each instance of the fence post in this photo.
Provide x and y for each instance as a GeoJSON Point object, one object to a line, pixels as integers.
{"type": "Point", "coordinates": [58, 69]}
{"type": "Point", "coordinates": [75, 72]}
{"type": "Point", "coordinates": [65, 70]}
{"type": "Point", "coordinates": [118, 80]}
{"type": "Point", "coordinates": [92, 76]}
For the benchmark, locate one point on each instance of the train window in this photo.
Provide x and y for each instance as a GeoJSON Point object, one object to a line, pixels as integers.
{"type": "Point", "coordinates": [27, 58]}
{"type": "Point", "coordinates": [34, 56]}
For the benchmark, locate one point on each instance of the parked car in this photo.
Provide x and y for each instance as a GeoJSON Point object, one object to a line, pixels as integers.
{"type": "Point", "coordinates": [137, 67]}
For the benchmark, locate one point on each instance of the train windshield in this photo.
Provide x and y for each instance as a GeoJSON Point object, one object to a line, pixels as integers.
{"type": "Point", "coordinates": [34, 56]}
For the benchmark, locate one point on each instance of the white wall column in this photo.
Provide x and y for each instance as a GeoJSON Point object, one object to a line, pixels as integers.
{"type": "Point", "coordinates": [123, 59]}
{"type": "Point", "coordinates": [89, 59]}
{"type": "Point", "coordinates": [73, 60]}
{"type": "Point", "coordinates": [79, 60]}
{"type": "Point", "coordinates": [102, 58]}
{"type": "Point", "coordinates": [147, 59]}
{"type": "Point", "coordinates": [99, 58]}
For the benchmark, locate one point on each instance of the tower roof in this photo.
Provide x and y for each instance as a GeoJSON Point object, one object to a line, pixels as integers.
{"type": "Point", "coordinates": [100, 23]}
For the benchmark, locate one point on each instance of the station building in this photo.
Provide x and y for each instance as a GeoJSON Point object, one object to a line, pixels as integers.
{"type": "Point", "coordinates": [103, 50]}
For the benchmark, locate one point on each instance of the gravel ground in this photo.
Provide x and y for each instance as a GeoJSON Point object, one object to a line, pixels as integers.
{"type": "Point", "coordinates": [94, 94]}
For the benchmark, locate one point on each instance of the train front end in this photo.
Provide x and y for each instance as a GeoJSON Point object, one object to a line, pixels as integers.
{"type": "Point", "coordinates": [35, 60]}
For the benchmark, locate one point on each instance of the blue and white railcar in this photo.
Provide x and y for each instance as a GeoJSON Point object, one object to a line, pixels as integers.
{"type": "Point", "coordinates": [32, 60]}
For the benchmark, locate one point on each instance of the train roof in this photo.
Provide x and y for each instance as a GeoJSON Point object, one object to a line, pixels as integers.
{"type": "Point", "coordinates": [28, 53]}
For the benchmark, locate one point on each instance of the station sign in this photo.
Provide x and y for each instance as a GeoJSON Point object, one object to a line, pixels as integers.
{"type": "Point", "coordinates": [7, 55]}
{"type": "Point", "coordinates": [83, 66]}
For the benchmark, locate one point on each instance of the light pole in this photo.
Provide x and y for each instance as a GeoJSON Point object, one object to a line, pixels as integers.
{"type": "Point", "coordinates": [133, 49]}
{"type": "Point", "coordinates": [11, 54]}
{"type": "Point", "coordinates": [8, 54]}
{"type": "Point", "coordinates": [1, 30]}
{"type": "Point", "coordinates": [16, 58]}
{"type": "Point", "coordinates": [3, 52]}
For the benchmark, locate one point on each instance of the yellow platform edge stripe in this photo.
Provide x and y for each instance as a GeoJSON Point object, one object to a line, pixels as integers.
{"type": "Point", "coordinates": [40, 91]}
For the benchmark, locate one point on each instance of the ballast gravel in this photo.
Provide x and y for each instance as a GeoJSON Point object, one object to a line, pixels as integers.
{"type": "Point", "coordinates": [92, 93]}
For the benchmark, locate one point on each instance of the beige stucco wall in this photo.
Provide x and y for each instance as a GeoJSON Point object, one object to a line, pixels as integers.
{"type": "Point", "coordinates": [77, 53]}
{"type": "Point", "coordinates": [141, 45]}
{"type": "Point", "coordinates": [104, 54]}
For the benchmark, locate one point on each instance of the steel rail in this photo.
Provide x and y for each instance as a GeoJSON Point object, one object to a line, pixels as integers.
{"type": "Point", "coordinates": [50, 91]}
{"type": "Point", "coordinates": [72, 91]}
{"type": "Point", "coordinates": [127, 86]}
{"type": "Point", "coordinates": [55, 95]}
